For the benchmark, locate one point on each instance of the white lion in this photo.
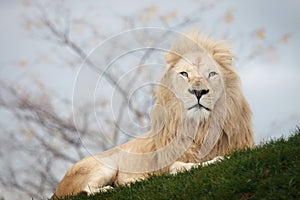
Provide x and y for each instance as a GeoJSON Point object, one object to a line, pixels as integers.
{"type": "Point", "coordinates": [200, 114]}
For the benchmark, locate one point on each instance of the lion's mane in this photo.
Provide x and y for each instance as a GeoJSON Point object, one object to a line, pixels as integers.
{"type": "Point", "coordinates": [229, 123]}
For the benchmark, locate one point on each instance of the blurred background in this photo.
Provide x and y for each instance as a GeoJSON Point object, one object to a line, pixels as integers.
{"type": "Point", "coordinates": [44, 43]}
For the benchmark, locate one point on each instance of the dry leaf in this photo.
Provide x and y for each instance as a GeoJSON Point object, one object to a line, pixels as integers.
{"type": "Point", "coordinates": [151, 9]}
{"type": "Point", "coordinates": [27, 25]}
{"type": "Point", "coordinates": [145, 18]}
{"type": "Point", "coordinates": [229, 18]}
{"type": "Point", "coordinates": [27, 133]}
{"type": "Point", "coordinates": [173, 14]}
{"type": "Point", "coordinates": [149, 12]}
{"type": "Point", "coordinates": [261, 34]}
{"type": "Point", "coordinates": [23, 63]}
{"type": "Point", "coordinates": [285, 38]}
{"type": "Point", "coordinates": [103, 103]}
{"type": "Point", "coordinates": [39, 24]}
{"type": "Point", "coordinates": [267, 172]}
{"type": "Point", "coordinates": [18, 88]}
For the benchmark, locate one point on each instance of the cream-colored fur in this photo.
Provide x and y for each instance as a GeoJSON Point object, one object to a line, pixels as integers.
{"type": "Point", "coordinates": [183, 133]}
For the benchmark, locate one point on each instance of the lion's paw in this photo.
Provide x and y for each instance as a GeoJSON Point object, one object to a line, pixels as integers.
{"type": "Point", "coordinates": [214, 160]}
{"type": "Point", "coordinates": [181, 166]}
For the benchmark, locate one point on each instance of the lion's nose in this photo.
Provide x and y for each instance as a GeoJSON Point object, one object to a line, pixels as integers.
{"type": "Point", "coordinates": [198, 93]}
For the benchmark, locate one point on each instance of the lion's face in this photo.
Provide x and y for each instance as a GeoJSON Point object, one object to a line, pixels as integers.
{"type": "Point", "coordinates": [197, 83]}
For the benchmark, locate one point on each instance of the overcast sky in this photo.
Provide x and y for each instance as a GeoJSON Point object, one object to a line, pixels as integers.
{"type": "Point", "coordinates": [270, 86]}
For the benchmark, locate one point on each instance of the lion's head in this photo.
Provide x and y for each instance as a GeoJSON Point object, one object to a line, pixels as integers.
{"type": "Point", "coordinates": [196, 82]}
{"type": "Point", "coordinates": [200, 100]}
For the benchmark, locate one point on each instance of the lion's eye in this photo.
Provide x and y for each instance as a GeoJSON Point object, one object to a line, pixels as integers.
{"type": "Point", "coordinates": [185, 74]}
{"type": "Point", "coordinates": [212, 74]}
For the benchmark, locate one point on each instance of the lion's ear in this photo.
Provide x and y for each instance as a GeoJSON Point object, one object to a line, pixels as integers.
{"type": "Point", "coordinates": [222, 54]}
{"type": "Point", "coordinates": [171, 58]}
{"type": "Point", "coordinates": [219, 50]}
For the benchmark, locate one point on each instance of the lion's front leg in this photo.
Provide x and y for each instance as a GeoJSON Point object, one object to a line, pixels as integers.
{"type": "Point", "coordinates": [93, 190]}
{"type": "Point", "coordinates": [214, 160]}
{"type": "Point", "coordinates": [129, 178]}
{"type": "Point", "coordinates": [181, 166]}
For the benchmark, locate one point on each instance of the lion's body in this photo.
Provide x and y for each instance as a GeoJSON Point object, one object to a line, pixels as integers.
{"type": "Point", "coordinates": [182, 132]}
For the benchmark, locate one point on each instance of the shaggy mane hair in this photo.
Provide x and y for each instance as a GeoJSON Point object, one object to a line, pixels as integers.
{"type": "Point", "coordinates": [236, 130]}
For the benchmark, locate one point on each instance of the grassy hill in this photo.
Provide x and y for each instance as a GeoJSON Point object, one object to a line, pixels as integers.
{"type": "Point", "coordinates": [270, 171]}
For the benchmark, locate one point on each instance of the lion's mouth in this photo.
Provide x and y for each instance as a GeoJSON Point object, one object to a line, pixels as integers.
{"type": "Point", "coordinates": [199, 106]}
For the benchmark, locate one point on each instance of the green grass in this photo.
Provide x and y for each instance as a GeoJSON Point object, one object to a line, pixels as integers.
{"type": "Point", "coordinates": [270, 171]}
